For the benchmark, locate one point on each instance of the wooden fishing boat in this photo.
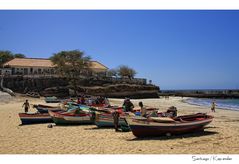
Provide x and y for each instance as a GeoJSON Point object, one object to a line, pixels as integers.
{"type": "Point", "coordinates": [52, 99]}
{"type": "Point", "coordinates": [98, 105]}
{"type": "Point", "coordinates": [45, 108]}
{"type": "Point", "coordinates": [33, 94]}
{"type": "Point", "coordinates": [156, 126]}
{"type": "Point", "coordinates": [105, 119]}
{"type": "Point", "coordinates": [71, 118]}
{"type": "Point", "coordinates": [34, 118]}
{"type": "Point", "coordinates": [147, 109]}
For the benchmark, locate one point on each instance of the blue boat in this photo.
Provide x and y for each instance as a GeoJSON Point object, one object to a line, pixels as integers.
{"type": "Point", "coordinates": [35, 118]}
{"type": "Point", "coordinates": [45, 108]}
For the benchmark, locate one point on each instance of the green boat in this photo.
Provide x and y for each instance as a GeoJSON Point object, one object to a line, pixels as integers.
{"type": "Point", "coordinates": [106, 120]}
{"type": "Point", "coordinates": [72, 118]}
{"type": "Point", "coordinates": [52, 99]}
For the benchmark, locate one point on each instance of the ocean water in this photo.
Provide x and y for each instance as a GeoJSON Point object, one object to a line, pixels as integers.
{"type": "Point", "coordinates": [230, 104]}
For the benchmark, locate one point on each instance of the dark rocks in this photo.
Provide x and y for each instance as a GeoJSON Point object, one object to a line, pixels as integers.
{"type": "Point", "coordinates": [122, 91]}
{"type": "Point", "coordinates": [59, 87]}
{"type": "Point", "coordinates": [56, 91]}
{"type": "Point", "coordinates": [22, 84]}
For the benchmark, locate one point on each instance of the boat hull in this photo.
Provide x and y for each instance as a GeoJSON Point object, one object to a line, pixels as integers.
{"type": "Point", "coordinates": [45, 108]}
{"type": "Point", "coordinates": [34, 118]}
{"type": "Point", "coordinates": [144, 128]}
{"type": "Point", "coordinates": [66, 119]}
{"type": "Point", "coordinates": [106, 120]}
{"type": "Point", "coordinates": [52, 100]}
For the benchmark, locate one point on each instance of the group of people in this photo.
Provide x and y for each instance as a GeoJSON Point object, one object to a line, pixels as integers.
{"type": "Point", "coordinates": [128, 106]}
{"type": "Point", "coordinates": [91, 101]}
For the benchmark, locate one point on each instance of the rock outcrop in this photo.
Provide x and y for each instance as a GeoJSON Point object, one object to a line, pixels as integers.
{"type": "Point", "coordinates": [55, 86]}
{"type": "Point", "coordinates": [121, 91]}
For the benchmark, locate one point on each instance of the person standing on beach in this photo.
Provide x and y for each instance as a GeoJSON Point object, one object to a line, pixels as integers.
{"type": "Point", "coordinates": [128, 105]}
{"type": "Point", "coordinates": [26, 106]}
{"type": "Point", "coordinates": [116, 120]}
{"type": "Point", "coordinates": [142, 109]}
{"type": "Point", "coordinates": [213, 106]}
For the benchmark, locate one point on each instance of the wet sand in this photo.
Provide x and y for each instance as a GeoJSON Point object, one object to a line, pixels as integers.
{"type": "Point", "coordinates": [220, 137]}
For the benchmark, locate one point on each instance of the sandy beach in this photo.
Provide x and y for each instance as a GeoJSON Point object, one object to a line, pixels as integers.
{"type": "Point", "coordinates": [220, 137]}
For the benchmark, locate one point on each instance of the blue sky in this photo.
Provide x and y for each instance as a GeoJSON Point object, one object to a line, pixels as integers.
{"type": "Point", "coordinates": [175, 49]}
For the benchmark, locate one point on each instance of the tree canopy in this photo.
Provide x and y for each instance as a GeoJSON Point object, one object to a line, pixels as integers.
{"type": "Point", "coordinates": [125, 71]}
{"type": "Point", "coordinates": [19, 55]}
{"type": "Point", "coordinates": [6, 56]}
{"type": "Point", "coordinates": [113, 72]}
{"type": "Point", "coordinates": [72, 65]}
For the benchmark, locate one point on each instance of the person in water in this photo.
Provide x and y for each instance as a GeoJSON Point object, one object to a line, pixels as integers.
{"type": "Point", "coordinates": [213, 106]}
{"type": "Point", "coordinates": [26, 106]}
{"type": "Point", "coordinates": [128, 105]}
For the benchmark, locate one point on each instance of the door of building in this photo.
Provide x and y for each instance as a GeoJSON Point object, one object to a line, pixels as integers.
{"type": "Point", "coordinates": [25, 71]}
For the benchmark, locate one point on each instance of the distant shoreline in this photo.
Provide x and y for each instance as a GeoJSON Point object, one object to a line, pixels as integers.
{"type": "Point", "coordinates": [223, 94]}
{"type": "Point", "coordinates": [202, 105]}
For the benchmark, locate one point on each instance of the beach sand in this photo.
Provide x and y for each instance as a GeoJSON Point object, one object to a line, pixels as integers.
{"type": "Point", "coordinates": [220, 137]}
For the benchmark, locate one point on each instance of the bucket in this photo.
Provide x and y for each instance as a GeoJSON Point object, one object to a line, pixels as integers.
{"type": "Point", "coordinates": [138, 113]}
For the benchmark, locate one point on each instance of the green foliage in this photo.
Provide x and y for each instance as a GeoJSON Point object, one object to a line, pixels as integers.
{"type": "Point", "coordinates": [5, 56]}
{"type": "Point", "coordinates": [19, 55]}
{"type": "Point", "coordinates": [72, 65]}
{"type": "Point", "coordinates": [125, 71]}
{"type": "Point", "coordinates": [113, 72]}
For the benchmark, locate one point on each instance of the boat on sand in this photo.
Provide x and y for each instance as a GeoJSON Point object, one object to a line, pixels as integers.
{"type": "Point", "coordinates": [157, 126]}
{"type": "Point", "coordinates": [34, 118]}
{"type": "Point", "coordinates": [52, 99]}
{"type": "Point", "coordinates": [105, 119]}
{"type": "Point", "coordinates": [45, 108]}
{"type": "Point", "coordinates": [104, 116]}
{"type": "Point", "coordinates": [71, 118]}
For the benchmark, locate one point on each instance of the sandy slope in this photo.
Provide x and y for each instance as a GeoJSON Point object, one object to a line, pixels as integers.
{"type": "Point", "coordinates": [222, 135]}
